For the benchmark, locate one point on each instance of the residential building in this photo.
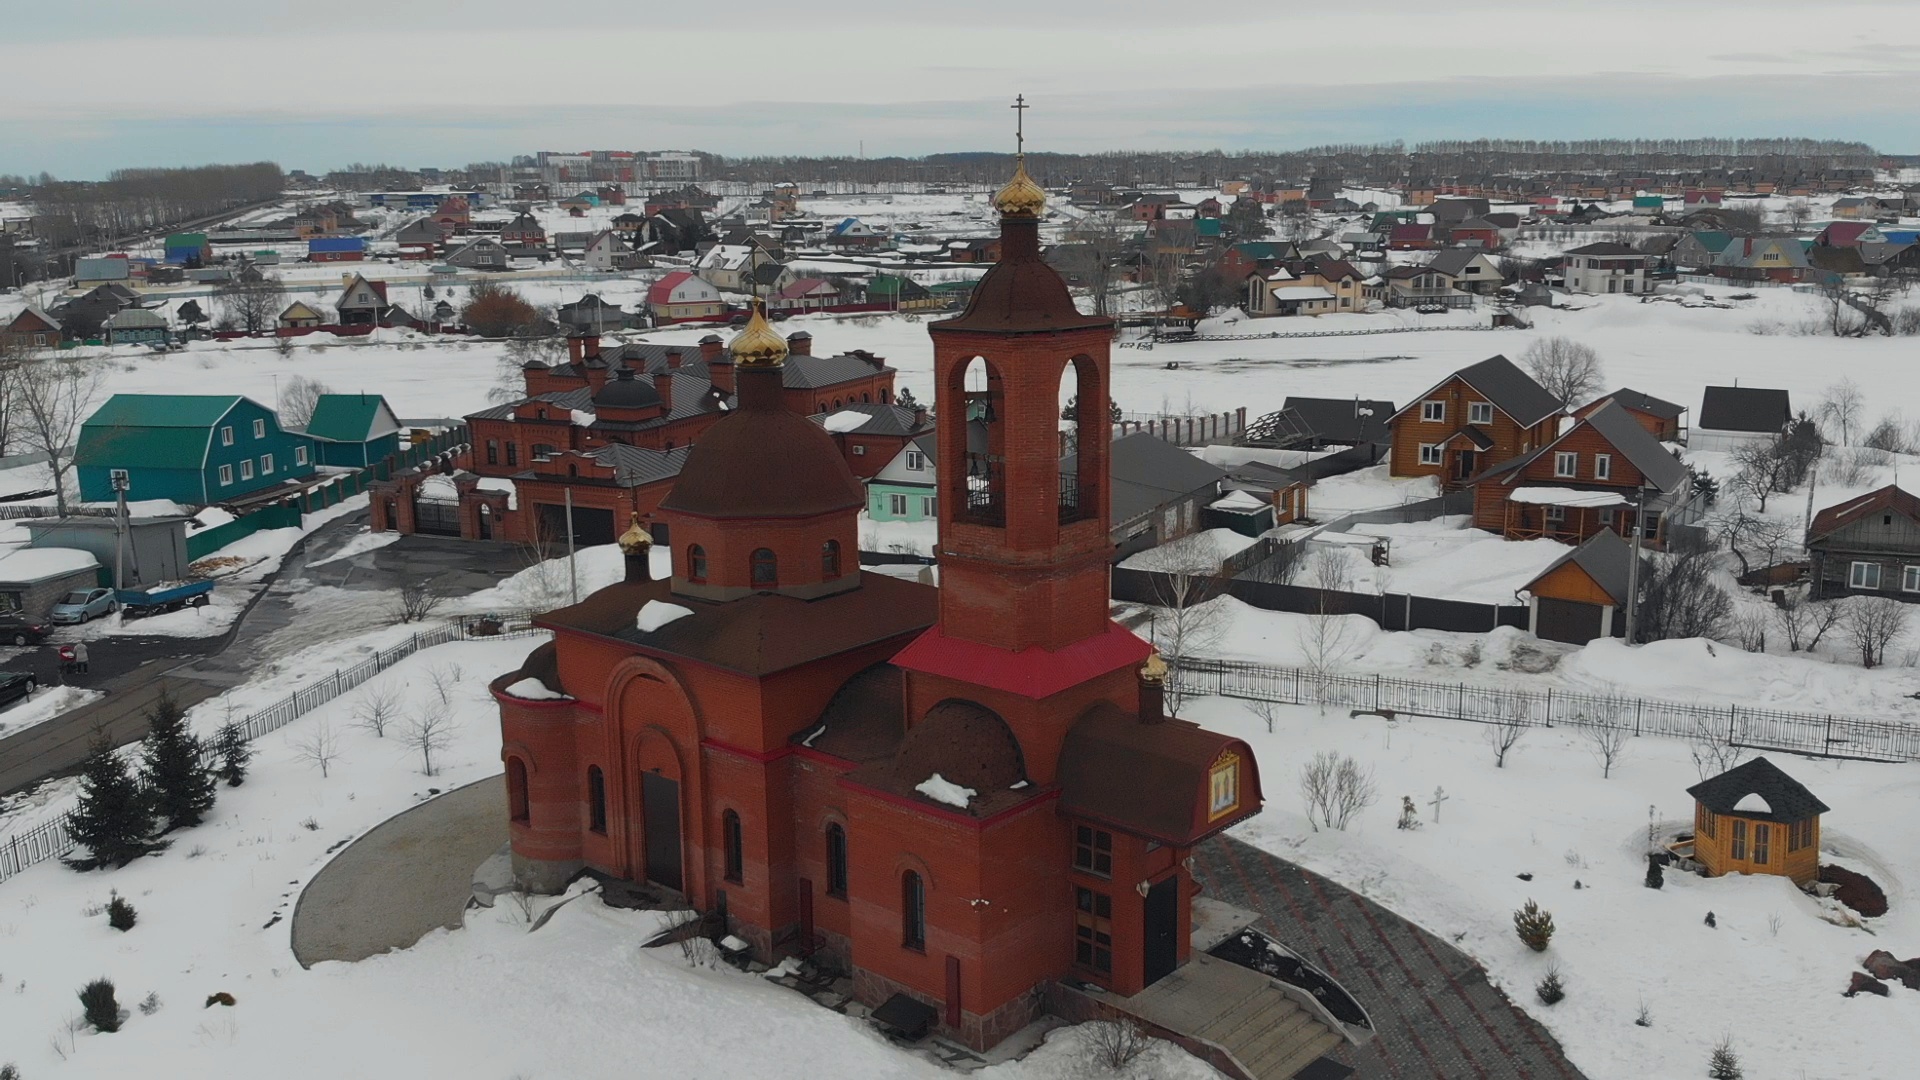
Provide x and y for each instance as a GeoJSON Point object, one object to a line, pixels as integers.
{"type": "Point", "coordinates": [192, 449]}
{"type": "Point", "coordinates": [1868, 545]}
{"type": "Point", "coordinates": [95, 271]}
{"type": "Point", "coordinates": [610, 250]}
{"type": "Point", "coordinates": [33, 579]}
{"type": "Point", "coordinates": [1469, 270]}
{"type": "Point", "coordinates": [1343, 421]}
{"type": "Point", "coordinates": [1483, 414]}
{"type": "Point", "coordinates": [1849, 234]}
{"type": "Point", "coordinates": [682, 297]}
{"type": "Point", "coordinates": [901, 293]}
{"type": "Point", "coordinates": [524, 233]}
{"type": "Point", "coordinates": [1780, 259]}
{"type": "Point", "coordinates": [353, 430]}
{"type": "Point", "coordinates": [300, 315]}
{"type": "Point", "coordinates": [871, 434]}
{"type": "Point", "coordinates": [593, 315]}
{"type": "Point", "coordinates": [1158, 491]}
{"type": "Point", "coordinates": [136, 326]}
{"type": "Point", "coordinates": [336, 249]}
{"type": "Point", "coordinates": [1606, 267]}
{"type": "Point", "coordinates": [1700, 249]}
{"type": "Point", "coordinates": [480, 253]}
{"type": "Point", "coordinates": [1422, 287]}
{"type": "Point", "coordinates": [1410, 236]}
{"type": "Point", "coordinates": [905, 489]}
{"type": "Point", "coordinates": [1734, 416]}
{"type": "Point", "coordinates": [188, 249]}
{"type": "Point", "coordinates": [32, 328]}
{"type": "Point", "coordinates": [361, 302]}
{"type": "Point", "coordinates": [421, 238]}
{"type": "Point", "coordinates": [455, 215]}
{"type": "Point", "coordinates": [1603, 474]}
{"type": "Point", "coordinates": [1663, 420]}
{"type": "Point", "coordinates": [852, 233]}
{"type": "Point", "coordinates": [806, 294]}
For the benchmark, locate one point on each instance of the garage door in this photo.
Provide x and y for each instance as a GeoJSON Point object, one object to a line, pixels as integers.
{"type": "Point", "coordinates": [590, 526]}
{"type": "Point", "coordinates": [1566, 620]}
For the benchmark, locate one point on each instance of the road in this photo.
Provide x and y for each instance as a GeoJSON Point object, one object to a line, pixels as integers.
{"type": "Point", "coordinates": [302, 605]}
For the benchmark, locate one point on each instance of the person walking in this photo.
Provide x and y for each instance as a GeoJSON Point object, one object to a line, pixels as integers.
{"type": "Point", "coordinates": [80, 656]}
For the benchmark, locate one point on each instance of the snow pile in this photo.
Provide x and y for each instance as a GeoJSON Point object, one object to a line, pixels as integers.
{"type": "Point", "coordinates": [1200, 552]}
{"type": "Point", "coordinates": [1239, 500]}
{"type": "Point", "coordinates": [439, 488]}
{"type": "Point", "coordinates": [846, 420]}
{"type": "Point", "coordinates": [1553, 496]}
{"type": "Point", "coordinates": [45, 704]}
{"type": "Point", "coordinates": [532, 689]}
{"type": "Point", "coordinates": [583, 418]}
{"type": "Point", "coordinates": [28, 565]}
{"type": "Point", "coordinates": [941, 790]}
{"type": "Point", "coordinates": [658, 613]}
{"type": "Point", "coordinates": [360, 543]}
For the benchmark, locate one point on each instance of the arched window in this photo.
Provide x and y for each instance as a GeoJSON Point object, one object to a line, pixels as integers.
{"type": "Point", "coordinates": [885, 396]}
{"type": "Point", "coordinates": [596, 799]}
{"type": "Point", "coordinates": [836, 861]}
{"type": "Point", "coordinates": [766, 568]}
{"type": "Point", "coordinates": [696, 563]}
{"type": "Point", "coordinates": [866, 398]}
{"type": "Point", "coordinates": [830, 559]}
{"type": "Point", "coordinates": [517, 789]}
{"type": "Point", "coordinates": [730, 836]}
{"type": "Point", "coordinates": [836, 403]}
{"type": "Point", "coordinates": [913, 911]}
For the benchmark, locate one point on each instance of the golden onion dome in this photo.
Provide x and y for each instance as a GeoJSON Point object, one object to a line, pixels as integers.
{"type": "Point", "coordinates": [759, 344]}
{"type": "Point", "coordinates": [1021, 195]}
{"type": "Point", "coordinates": [1154, 671]}
{"type": "Point", "coordinates": [635, 540]}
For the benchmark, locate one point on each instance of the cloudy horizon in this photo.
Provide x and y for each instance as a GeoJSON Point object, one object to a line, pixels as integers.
{"type": "Point", "coordinates": [449, 83]}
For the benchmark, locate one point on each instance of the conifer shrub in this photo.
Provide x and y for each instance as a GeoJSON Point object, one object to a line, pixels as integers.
{"type": "Point", "coordinates": [120, 914]}
{"type": "Point", "coordinates": [1551, 988]}
{"type": "Point", "coordinates": [172, 764]}
{"type": "Point", "coordinates": [114, 818]}
{"type": "Point", "coordinates": [231, 749]}
{"type": "Point", "coordinates": [1656, 877]}
{"type": "Point", "coordinates": [101, 1007]}
{"type": "Point", "coordinates": [1534, 926]}
{"type": "Point", "coordinates": [1724, 1064]}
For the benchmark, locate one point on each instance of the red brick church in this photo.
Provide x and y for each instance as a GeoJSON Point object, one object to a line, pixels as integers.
{"type": "Point", "coordinates": [959, 794]}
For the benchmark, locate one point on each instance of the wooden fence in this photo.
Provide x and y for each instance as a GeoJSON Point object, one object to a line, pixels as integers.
{"type": "Point", "coordinates": [1757, 729]}
{"type": "Point", "coordinates": [52, 839]}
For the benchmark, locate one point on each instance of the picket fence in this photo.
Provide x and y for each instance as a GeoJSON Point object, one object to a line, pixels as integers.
{"type": "Point", "coordinates": [1756, 729]}
{"type": "Point", "coordinates": [52, 838]}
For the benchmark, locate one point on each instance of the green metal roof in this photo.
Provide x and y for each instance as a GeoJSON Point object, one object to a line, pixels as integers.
{"type": "Point", "coordinates": [186, 240]}
{"type": "Point", "coordinates": [154, 431]}
{"type": "Point", "coordinates": [345, 417]}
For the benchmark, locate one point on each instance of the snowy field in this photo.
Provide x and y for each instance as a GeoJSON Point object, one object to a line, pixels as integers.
{"type": "Point", "coordinates": [1774, 987]}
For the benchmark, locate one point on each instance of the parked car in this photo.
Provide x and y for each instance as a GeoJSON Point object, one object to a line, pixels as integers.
{"type": "Point", "coordinates": [16, 686]}
{"type": "Point", "coordinates": [17, 629]}
{"type": "Point", "coordinates": [84, 605]}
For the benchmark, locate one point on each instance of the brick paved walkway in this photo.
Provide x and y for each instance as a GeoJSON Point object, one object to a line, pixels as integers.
{"type": "Point", "coordinates": [1438, 1017]}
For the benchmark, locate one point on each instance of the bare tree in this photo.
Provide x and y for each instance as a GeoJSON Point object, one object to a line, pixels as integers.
{"type": "Point", "coordinates": [1750, 630]}
{"type": "Point", "coordinates": [1840, 411]}
{"type": "Point", "coordinates": [1607, 740]}
{"type": "Point", "coordinates": [1567, 369]}
{"type": "Point", "coordinates": [1805, 621]}
{"type": "Point", "coordinates": [49, 399]}
{"type": "Point", "coordinates": [1326, 642]}
{"type": "Point", "coordinates": [318, 747]}
{"type": "Point", "coordinates": [1114, 1043]}
{"type": "Point", "coordinates": [1798, 213]}
{"type": "Point", "coordinates": [417, 600]}
{"type": "Point", "coordinates": [444, 678]}
{"type": "Point", "coordinates": [1183, 577]}
{"type": "Point", "coordinates": [1334, 788]}
{"type": "Point", "coordinates": [1761, 537]}
{"type": "Point", "coordinates": [298, 399]}
{"type": "Point", "coordinates": [1842, 318]}
{"type": "Point", "coordinates": [429, 730]}
{"type": "Point", "coordinates": [536, 343]}
{"type": "Point", "coordinates": [1264, 711]}
{"type": "Point", "coordinates": [1092, 255]}
{"type": "Point", "coordinates": [377, 707]}
{"type": "Point", "coordinates": [1504, 734]}
{"type": "Point", "coordinates": [252, 306]}
{"type": "Point", "coordinates": [1872, 623]}
{"type": "Point", "coordinates": [1681, 597]}
{"type": "Point", "coordinates": [1712, 747]}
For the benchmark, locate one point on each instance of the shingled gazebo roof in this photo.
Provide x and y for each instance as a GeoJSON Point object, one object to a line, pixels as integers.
{"type": "Point", "coordinates": [1787, 799]}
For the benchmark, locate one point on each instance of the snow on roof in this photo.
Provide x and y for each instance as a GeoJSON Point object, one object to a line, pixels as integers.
{"type": "Point", "coordinates": [439, 488]}
{"type": "Point", "coordinates": [39, 564]}
{"type": "Point", "coordinates": [1753, 802]}
{"type": "Point", "coordinates": [1239, 500]}
{"type": "Point", "coordinates": [583, 418]}
{"type": "Point", "coordinates": [940, 789]}
{"type": "Point", "coordinates": [658, 613]}
{"type": "Point", "coordinates": [1553, 496]}
{"type": "Point", "coordinates": [845, 420]}
{"type": "Point", "coordinates": [1302, 292]}
{"type": "Point", "coordinates": [532, 689]}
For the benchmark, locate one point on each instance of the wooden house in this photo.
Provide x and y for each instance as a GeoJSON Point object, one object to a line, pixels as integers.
{"type": "Point", "coordinates": [1411, 237]}
{"type": "Point", "coordinates": [1663, 419]}
{"type": "Point", "coordinates": [524, 232]}
{"type": "Point", "coordinates": [1600, 475]}
{"type": "Point", "coordinates": [1733, 416]}
{"type": "Point", "coordinates": [1755, 819]}
{"type": "Point", "coordinates": [136, 326]}
{"type": "Point", "coordinates": [353, 430]}
{"type": "Point", "coordinates": [1583, 595]}
{"type": "Point", "coordinates": [299, 315]}
{"type": "Point", "coordinates": [420, 239]}
{"type": "Point", "coordinates": [1868, 546]}
{"type": "Point", "coordinates": [192, 449]}
{"type": "Point", "coordinates": [31, 328]}
{"type": "Point", "coordinates": [1482, 414]}
{"type": "Point", "coordinates": [361, 301]}
{"type": "Point", "coordinates": [482, 253]}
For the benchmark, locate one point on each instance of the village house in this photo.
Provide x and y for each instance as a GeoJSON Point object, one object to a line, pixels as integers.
{"type": "Point", "coordinates": [593, 315]}
{"type": "Point", "coordinates": [902, 751]}
{"type": "Point", "coordinates": [1854, 207]}
{"type": "Point", "coordinates": [871, 435]}
{"type": "Point", "coordinates": [31, 328]}
{"type": "Point", "coordinates": [136, 326]}
{"type": "Point", "coordinates": [682, 297]}
{"type": "Point", "coordinates": [1734, 416]}
{"type": "Point", "coordinates": [1481, 415]}
{"type": "Point", "coordinates": [454, 215]}
{"type": "Point", "coordinates": [192, 449]}
{"type": "Point", "coordinates": [1602, 474]}
{"type": "Point", "coordinates": [1307, 287]}
{"type": "Point", "coordinates": [480, 253]}
{"type": "Point", "coordinates": [1663, 420]}
{"type": "Point", "coordinates": [95, 271]}
{"type": "Point", "coordinates": [609, 250]}
{"type": "Point", "coordinates": [1755, 819]}
{"type": "Point", "coordinates": [1699, 249]}
{"type": "Point", "coordinates": [1421, 287]}
{"type": "Point", "coordinates": [1849, 234]}
{"type": "Point", "coordinates": [1468, 270]}
{"type": "Point", "coordinates": [421, 238]}
{"type": "Point", "coordinates": [336, 249]}
{"type": "Point", "coordinates": [906, 488]}
{"type": "Point", "coordinates": [856, 235]}
{"type": "Point", "coordinates": [524, 234]}
{"type": "Point", "coordinates": [1763, 258]}
{"type": "Point", "coordinates": [299, 315]}
{"type": "Point", "coordinates": [1868, 545]}
{"type": "Point", "coordinates": [1606, 267]}
{"type": "Point", "coordinates": [188, 249]}
{"type": "Point", "coordinates": [352, 431]}
{"type": "Point", "coordinates": [361, 302]}
{"type": "Point", "coordinates": [729, 266]}
{"type": "Point", "coordinates": [901, 293]}
{"type": "Point", "coordinates": [1475, 232]}
{"type": "Point", "coordinates": [1410, 236]}
{"type": "Point", "coordinates": [802, 295]}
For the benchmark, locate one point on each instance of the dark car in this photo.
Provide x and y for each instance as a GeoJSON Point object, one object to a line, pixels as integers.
{"type": "Point", "coordinates": [16, 686]}
{"type": "Point", "coordinates": [17, 629]}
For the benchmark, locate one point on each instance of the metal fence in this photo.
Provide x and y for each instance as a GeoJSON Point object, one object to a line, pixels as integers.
{"type": "Point", "coordinates": [51, 839]}
{"type": "Point", "coordinates": [1757, 729]}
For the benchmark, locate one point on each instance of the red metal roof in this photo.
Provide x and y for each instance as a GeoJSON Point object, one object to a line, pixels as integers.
{"type": "Point", "coordinates": [662, 290]}
{"type": "Point", "coordinates": [1032, 673]}
{"type": "Point", "coordinates": [1887, 499]}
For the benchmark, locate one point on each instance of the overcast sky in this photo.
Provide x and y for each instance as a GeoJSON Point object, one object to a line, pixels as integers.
{"type": "Point", "coordinates": [106, 83]}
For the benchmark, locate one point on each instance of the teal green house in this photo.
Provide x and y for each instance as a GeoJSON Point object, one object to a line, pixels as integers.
{"type": "Point", "coordinates": [905, 489]}
{"type": "Point", "coordinates": [195, 449]}
{"type": "Point", "coordinates": [353, 430]}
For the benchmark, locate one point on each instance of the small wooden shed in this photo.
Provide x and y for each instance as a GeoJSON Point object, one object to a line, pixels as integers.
{"type": "Point", "coordinates": [1755, 819]}
{"type": "Point", "coordinates": [1583, 595]}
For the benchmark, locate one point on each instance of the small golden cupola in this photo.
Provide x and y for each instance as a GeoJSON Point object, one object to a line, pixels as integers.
{"type": "Point", "coordinates": [635, 539]}
{"type": "Point", "coordinates": [759, 344]}
{"type": "Point", "coordinates": [636, 549]}
{"type": "Point", "coordinates": [1021, 196]}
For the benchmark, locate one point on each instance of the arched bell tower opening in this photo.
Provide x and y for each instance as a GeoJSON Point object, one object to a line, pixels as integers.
{"type": "Point", "coordinates": [977, 490]}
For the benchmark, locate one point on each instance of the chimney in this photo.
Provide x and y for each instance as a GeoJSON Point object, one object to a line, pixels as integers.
{"type": "Point", "coordinates": [719, 368]}
{"type": "Point", "coordinates": [711, 348]}
{"type": "Point", "coordinates": [575, 348]}
{"type": "Point", "coordinates": [590, 345]}
{"type": "Point", "coordinates": [1153, 689]}
{"type": "Point", "coordinates": [799, 343]}
{"type": "Point", "coordinates": [919, 416]}
{"type": "Point", "coordinates": [673, 358]}
{"type": "Point", "coordinates": [663, 385]}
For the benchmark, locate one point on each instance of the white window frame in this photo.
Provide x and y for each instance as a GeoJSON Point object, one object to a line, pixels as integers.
{"type": "Point", "coordinates": [226, 435]}
{"type": "Point", "coordinates": [1433, 412]}
{"type": "Point", "coordinates": [1556, 515]}
{"type": "Point", "coordinates": [930, 505]}
{"type": "Point", "coordinates": [916, 461]}
{"type": "Point", "coordinates": [1859, 573]}
{"type": "Point", "coordinates": [1910, 578]}
{"type": "Point", "coordinates": [259, 429]}
{"type": "Point", "coordinates": [896, 503]}
{"type": "Point", "coordinates": [246, 469]}
{"type": "Point", "coordinates": [1566, 463]}
{"type": "Point", "coordinates": [266, 464]}
{"type": "Point", "coordinates": [1430, 454]}
{"type": "Point", "coordinates": [859, 450]}
{"type": "Point", "coordinates": [1603, 466]}
{"type": "Point", "coordinates": [1480, 412]}
{"type": "Point", "coordinates": [299, 455]}
{"type": "Point", "coordinates": [226, 475]}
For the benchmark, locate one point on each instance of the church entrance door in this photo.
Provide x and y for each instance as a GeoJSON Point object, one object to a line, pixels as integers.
{"type": "Point", "coordinates": [1161, 952]}
{"type": "Point", "coordinates": [660, 802]}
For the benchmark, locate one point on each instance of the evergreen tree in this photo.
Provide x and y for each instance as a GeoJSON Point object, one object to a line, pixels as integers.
{"type": "Point", "coordinates": [230, 745]}
{"type": "Point", "coordinates": [905, 399]}
{"type": "Point", "coordinates": [1534, 926]}
{"type": "Point", "coordinates": [1724, 1064]}
{"type": "Point", "coordinates": [114, 820]}
{"type": "Point", "coordinates": [182, 787]}
{"type": "Point", "coordinates": [102, 1008]}
{"type": "Point", "coordinates": [1656, 877]}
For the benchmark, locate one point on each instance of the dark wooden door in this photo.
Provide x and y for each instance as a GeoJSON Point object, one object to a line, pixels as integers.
{"type": "Point", "coordinates": [1161, 952]}
{"type": "Point", "coordinates": [806, 917]}
{"type": "Point", "coordinates": [660, 799]}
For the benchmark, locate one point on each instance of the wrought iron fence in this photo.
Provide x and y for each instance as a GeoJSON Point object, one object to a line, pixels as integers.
{"type": "Point", "coordinates": [1758, 729]}
{"type": "Point", "coordinates": [51, 839]}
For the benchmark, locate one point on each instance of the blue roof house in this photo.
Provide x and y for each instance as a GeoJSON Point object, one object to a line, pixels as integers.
{"type": "Point", "coordinates": [196, 449]}
{"type": "Point", "coordinates": [336, 249]}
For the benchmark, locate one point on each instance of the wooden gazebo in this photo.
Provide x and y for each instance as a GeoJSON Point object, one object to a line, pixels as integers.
{"type": "Point", "coordinates": [1755, 819]}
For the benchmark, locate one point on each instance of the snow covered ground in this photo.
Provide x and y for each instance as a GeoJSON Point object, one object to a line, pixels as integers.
{"type": "Point", "coordinates": [46, 703]}
{"type": "Point", "coordinates": [1775, 989]}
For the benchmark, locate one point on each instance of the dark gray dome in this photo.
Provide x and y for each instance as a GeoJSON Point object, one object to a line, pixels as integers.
{"type": "Point", "coordinates": [624, 391]}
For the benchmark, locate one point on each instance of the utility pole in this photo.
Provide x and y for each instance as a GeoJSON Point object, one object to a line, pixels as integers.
{"type": "Point", "coordinates": [1633, 566]}
{"type": "Point", "coordinates": [120, 531]}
